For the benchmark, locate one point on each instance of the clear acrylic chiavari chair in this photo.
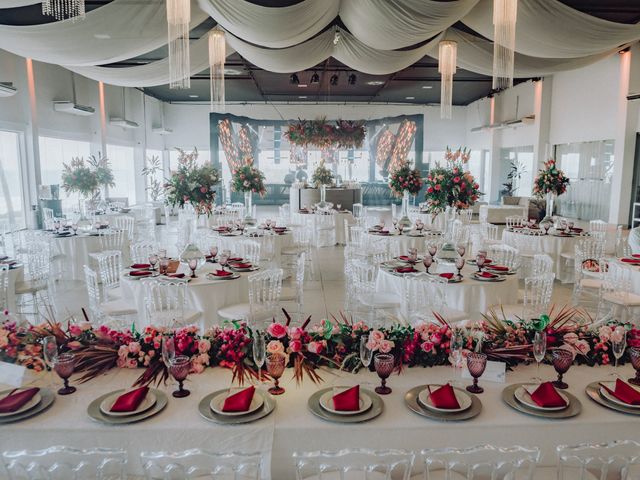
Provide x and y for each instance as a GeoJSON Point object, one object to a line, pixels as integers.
{"type": "Point", "coordinates": [619, 460]}
{"type": "Point", "coordinates": [166, 303]}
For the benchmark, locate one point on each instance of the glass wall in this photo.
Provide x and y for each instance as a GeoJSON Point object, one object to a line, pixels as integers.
{"type": "Point", "coordinates": [12, 213]}
{"type": "Point", "coordinates": [53, 153]}
{"type": "Point", "coordinates": [589, 166]}
{"type": "Point", "coordinates": [154, 160]}
{"type": "Point", "coordinates": [517, 162]}
{"type": "Point", "coordinates": [122, 161]}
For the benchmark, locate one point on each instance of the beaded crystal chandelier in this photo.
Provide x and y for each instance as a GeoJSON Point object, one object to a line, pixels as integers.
{"type": "Point", "coordinates": [217, 57]}
{"type": "Point", "coordinates": [63, 9]}
{"type": "Point", "coordinates": [505, 13]}
{"type": "Point", "coordinates": [178, 19]}
{"type": "Point", "coordinates": [447, 57]}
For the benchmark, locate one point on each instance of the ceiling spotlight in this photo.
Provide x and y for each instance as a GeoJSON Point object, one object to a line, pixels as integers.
{"type": "Point", "coordinates": [410, 98]}
{"type": "Point", "coordinates": [375, 82]}
{"type": "Point", "coordinates": [333, 80]}
{"type": "Point", "coordinates": [315, 78]}
{"type": "Point", "coordinates": [352, 79]}
{"type": "Point", "coordinates": [194, 96]}
{"type": "Point", "coordinates": [427, 87]}
{"type": "Point", "coordinates": [293, 79]}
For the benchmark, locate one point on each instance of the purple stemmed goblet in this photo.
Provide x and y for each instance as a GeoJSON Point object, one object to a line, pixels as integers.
{"type": "Point", "coordinates": [476, 363]}
{"type": "Point", "coordinates": [562, 360]}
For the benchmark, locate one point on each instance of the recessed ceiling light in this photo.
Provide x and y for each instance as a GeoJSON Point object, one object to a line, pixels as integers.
{"type": "Point", "coordinates": [410, 98]}
{"type": "Point", "coordinates": [233, 71]}
{"type": "Point", "coordinates": [302, 85]}
{"type": "Point", "coordinates": [427, 87]}
{"type": "Point", "coordinates": [194, 96]}
{"type": "Point", "coordinates": [375, 82]}
{"type": "Point", "coordinates": [302, 96]}
{"type": "Point", "coordinates": [102, 36]}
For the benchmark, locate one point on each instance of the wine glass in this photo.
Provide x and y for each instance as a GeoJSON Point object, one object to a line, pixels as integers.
{"type": "Point", "coordinates": [224, 259]}
{"type": "Point", "coordinates": [476, 363]}
{"type": "Point", "coordinates": [461, 249]}
{"type": "Point", "coordinates": [162, 253]}
{"type": "Point", "coordinates": [164, 265]}
{"type": "Point", "coordinates": [365, 352]}
{"type": "Point", "coordinates": [339, 207]}
{"type": "Point", "coordinates": [427, 261]}
{"type": "Point", "coordinates": [213, 250]}
{"type": "Point", "coordinates": [259, 351]}
{"type": "Point", "coordinates": [539, 350]}
{"type": "Point", "coordinates": [546, 226]}
{"type": "Point", "coordinates": [480, 261]}
{"type": "Point", "coordinates": [179, 368]}
{"type": "Point", "coordinates": [381, 223]}
{"type": "Point", "coordinates": [64, 364]}
{"type": "Point", "coordinates": [384, 364]}
{"type": "Point", "coordinates": [275, 367]}
{"type": "Point", "coordinates": [562, 360]}
{"type": "Point", "coordinates": [460, 261]}
{"type": "Point", "coordinates": [433, 249]}
{"type": "Point", "coordinates": [413, 255]}
{"type": "Point", "coordinates": [618, 344]}
{"type": "Point", "coordinates": [193, 264]}
{"type": "Point", "coordinates": [153, 260]}
{"type": "Point", "coordinates": [74, 227]}
{"type": "Point", "coordinates": [634, 355]}
{"type": "Point", "coordinates": [394, 220]}
{"type": "Point", "coordinates": [168, 351]}
{"type": "Point", "coordinates": [456, 345]}
{"type": "Point", "coordinates": [50, 353]}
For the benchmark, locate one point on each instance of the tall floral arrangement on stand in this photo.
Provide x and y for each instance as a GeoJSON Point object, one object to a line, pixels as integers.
{"type": "Point", "coordinates": [248, 179]}
{"type": "Point", "coordinates": [86, 178]}
{"type": "Point", "coordinates": [322, 176]}
{"type": "Point", "coordinates": [192, 184]}
{"type": "Point", "coordinates": [550, 182]}
{"type": "Point", "coordinates": [405, 181]}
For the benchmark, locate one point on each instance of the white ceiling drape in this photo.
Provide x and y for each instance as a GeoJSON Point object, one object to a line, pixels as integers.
{"type": "Point", "coordinates": [551, 29]}
{"type": "Point", "coordinates": [133, 28]}
{"type": "Point", "coordinates": [17, 3]}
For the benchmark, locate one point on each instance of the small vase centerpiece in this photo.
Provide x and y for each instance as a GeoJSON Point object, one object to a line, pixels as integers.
{"type": "Point", "coordinates": [403, 182]}
{"type": "Point", "coordinates": [550, 183]}
{"type": "Point", "coordinates": [248, 179]}
{"type": "Point", "coordinates": [322, 178]}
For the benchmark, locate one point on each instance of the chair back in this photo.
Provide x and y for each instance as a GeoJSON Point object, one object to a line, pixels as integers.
{"type": "Point", "coordinates": [64, 463]}
{"type": "Point", "coordinates": [619, 460]}
{"type": "Point", "coordinates": [504, 255]}
{"type": "Point", "coordinates": [363, 276]}
{"type": "Point", "coordinates": [4, 287]}
{"type": "Point", "coordinates": [201, 464]}
{"type": "Point", "coordinates": [47, 218]}
{"type": "Point", "coordinates": [111, 239]}
{"type": "Point", "coordinates": [109, 268]}
{"type": "Point", "coordinates": [141, 251]}
{"type": "Point", "coordinates": [93, 291]}
{"type": "Point", "coordinates": [249, 250]}
{"type": "Point", "coordinates": [165, 302]}
{"type": "Point", "coordinates": [484, 462]}
{"type": "Point", "coordinates": [362, 464]}
{"type": "Point", "coordinates": [616, 280]}
{"type": "Point", "coordinates": [541, 264]}
{"type": "Point", "coordinates": [357, 210]}
{"type": "Point", "coordinates": [515, 221]}
{"type": "Point", "coordinates": [126, 223]}
{"type": "Point", "coordinates": [423, 296]}
{"type": "Point", "coordinates": [264, 291]}
{"type": "Point", "coordinates": [537, 294]}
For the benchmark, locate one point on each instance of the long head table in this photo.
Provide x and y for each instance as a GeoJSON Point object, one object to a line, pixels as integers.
{"type": "Point", "coordinates": [292, 427]}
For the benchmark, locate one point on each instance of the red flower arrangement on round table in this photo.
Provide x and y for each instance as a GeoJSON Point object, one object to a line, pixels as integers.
{"type": "Point", "coordinates": [452, 185]}
{"type": "Point", "coordinates": [405, 178]}
{"type": "Point", "coordinates": [247, 178]}
{"type": "Point", "coordinates": [550, 179]}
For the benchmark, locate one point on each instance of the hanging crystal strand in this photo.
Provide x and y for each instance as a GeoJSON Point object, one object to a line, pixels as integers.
{"type": "Point", "coordinates": [217, 56]}
{"type": "Point", "coordinates": [178, 19]}
{"type": "Point", "coordinates": [447, 57]}
{"type": "Point", "coordinates": [63, 9]}
{"type": "Point", "coordinates": [504, 42]}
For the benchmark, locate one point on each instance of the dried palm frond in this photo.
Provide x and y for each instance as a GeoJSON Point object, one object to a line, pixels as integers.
{"type": "Point", "coordinates": [301, 367]}
{"type": "Point", "coordinates": [95, 360]}
{"type": "Point", "coordinates": [156, 372]}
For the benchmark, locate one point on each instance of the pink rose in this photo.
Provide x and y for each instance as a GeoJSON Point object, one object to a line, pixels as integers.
{"type": "Point", "coordinates": [197, 367]}
{"type": "Point", "coordinates": [582, 346]}
{"type": "Point", "coordinates": [436, 338]}
{"type": "Point", "coordinates": [275, 346]}
{"type": "Point", "coordinates": [605, 333]}
{"type": "Point", "coordinates": [316, 347]}
{"type": "Point", "coordinates": [571, 338]}
{"type": "Point", "coordinates": [295, 346]}
{"type": "Point", "coordinates": [376, 336]}
{"type": "Point", "coordinates": [386, 346]}
{"type": "Point", "coordinates": [427, 346]}
{"type": "Point", "coordinates": [134, 347]}
{"type": "Point", "coordinates": [277, 330]}
{"type": "Point", "coordinates": [75, 345]}
{"type": "Point", "coordinates": [131, 363]}
{"type": "Point", "coordinates": [204, 345]}
{"type": "Point", "coordinates": [74, 330]}
{"type": "Point", "coordinates": [296, 333]}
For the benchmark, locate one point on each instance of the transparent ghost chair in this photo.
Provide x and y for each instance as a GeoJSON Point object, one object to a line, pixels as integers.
{"type": "Point", "coordinates": [249, 250]}
{"type": "Point", "coordinates": [141, 251]}
{"type": "Point", "coordinates": [110, 269]}
{"type": "Point", "coordinates": [617, 300]}
{"type": "Point", "coordinates": [537, 299]}
{"type": "Point", "coordinates": [324, 227]}
{"type": "Point", "coordinates": [116, 312]}
{"type": "Point", "coordinates": [36, 284]}
{"type": "Point", "coordinates": [126, 223]}
{"type": "Point", "coordinates": [378, 306]}
{"type": "Point", "coordinates": [484, 462]}
{"type": "Point", "coordinates": [112, 239]}
{"type": "Point", "coordinates": [202, 465]}
{"type": "Point", "coordinates": [354, 464]}
{"type": "Point", "coordinates": [65, 463]}
{"type": "Point", "coordinates": [528, 244]}
{"type": "Point", "coordinates": [619, 460]}
{"type": "Point", "coordinates": [295, 292]}
{"type": "Point", "coordinates": [588, 273]}
{"type": "Point", "coordinates": [504, 255]}
{"type": "Point", "coordinates": [166, 303]}
{"type": "Point", "coordinates": [515, 221]}
{"type": "Point", "coordinates": [425, 294]}
{"type": "Point", "coordinates": [541, 264]}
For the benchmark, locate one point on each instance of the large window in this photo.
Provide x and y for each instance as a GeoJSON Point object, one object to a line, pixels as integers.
{"type": "Point", "coordinates": [12, 213]}
{"type": "Point", "coordinates": [589, 166]}
{"type": "Point", "coordinates": [124, 172]}
{"type": "Point", "coordinates": [153, 186]}
{"type": "Point", "coordinates": [518, 161]}
{"type": "Point", "coordinates": [53, 153]}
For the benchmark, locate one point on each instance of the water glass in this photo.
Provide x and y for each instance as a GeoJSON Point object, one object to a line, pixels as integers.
{"type": "Point", "coordinates": [384, 364]}
{"type": "Point", "coordinates": [365, 352]}
{"type": "Point", "coordinates": [618, 344]}
{"type": "Point", "coordinates": [193, 264]}
{"type": "Point", "coordinates": [413, 255]}
{"type": "Point", "coordinates": [276, 364]}
{"type": "Point", "coordinates": [539, 351]}
{"type": "Point", "coordinates": [164, 265]}
{"type": "Point", "coordinates": [562, 361]}
{"type": "Point", "coordinates": [476, 363]}
{"type": "Point", "coordinates": [461, 249]}
{"type": "Point", "coordinates": [427, 261]}
{"type": "Point", "coordinates": [460, 261]}
{"type": "Point", "coordinates": [456, 346]}
{"type": "Point", "coordinates": [153, 260]}
{"type": "Point", "coordinates": [179, 369]}
{"type": "Point", "coordinates": [213, 250]}
{"type": "Point", "coordinates": [259, 351]}
{"type": "Point", "coordinates": [224, 259]}
{"type": "Point", "coordinates": [432, 249]}
{"type": "Point", "coordinates": [168, 350]}
{"type": "Point", "coordinates": [64, 365]}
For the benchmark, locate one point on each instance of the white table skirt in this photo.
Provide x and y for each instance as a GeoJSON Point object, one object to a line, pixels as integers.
{"type": "Point", "coordinates": [231, 241]}
{"type": "Point", "coordinates": [292, 427]}
{"type": "Point", "coordinates": [204, 295]}
{"type": "Point", "coordinates": [471, 296]}
{"type": "Point", "coordinates": [76, 250]}
{"type": "Point", "coordinates": [554, 247]}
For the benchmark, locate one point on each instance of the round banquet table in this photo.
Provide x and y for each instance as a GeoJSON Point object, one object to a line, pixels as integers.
{"type": "Point", "coordinates": [204, 295]}
{"type": "Point", "coordinates": [552, 245]}
{"type": "Point", "coordinates": [76, 250]}
{"type": "Point", "coordinates": [231, 240]}
{"type": "Point", "coordinates": [471, 296]}
{"type": "Point", "coordinates": [292, 427]}
{"type": "Point", "coordinates": [338, 216]}
{"type": "Point", "coordinates": [405, 241]}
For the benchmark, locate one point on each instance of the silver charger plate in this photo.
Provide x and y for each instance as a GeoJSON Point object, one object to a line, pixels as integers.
{"type": "Point", "coordinates": [148, 402]}
{"type": "Point", "coordinates": [613, 399]}
{"type": "Point", "coordinates": [32, 403]}
{"type": "Point", "coordinates": [217, 404]}
{"type": "Point", "coordinates": [411, 399]}
{"type": "Point", "coordinates": [593, 392]}
{"type": "Point", "coordinates": [574, 408]}
{"type": "Point", "coordinates": [228, 277]}
{"type": "Point", "coordinates": [455, 279]}
{"type": "Point", "coordinates": [251, 269]}
{"type": "Point", "coordinates": [93, 410]}
{"type": "Point", "coordinates": [376, 408]}
{"type": "Point", "coordinates": [499, 278]}
{"type": "Point", "coordinates": [47, 398]}
{"type": "Point", "coordinates": [204, 407]}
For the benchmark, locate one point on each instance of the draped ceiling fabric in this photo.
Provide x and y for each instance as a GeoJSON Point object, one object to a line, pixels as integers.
{"type": "Point", "coordinates": [17, 3]}
{"type": "Point", "coordinates": [133, 27]}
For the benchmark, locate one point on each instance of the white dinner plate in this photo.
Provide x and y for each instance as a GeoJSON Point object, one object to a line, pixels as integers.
{"type": "Point", "coordinates": [327, 403]}
{"type": "Point", "coordinates": [211, 276]}
{"type": "Point", "coordinates": [217, 403]}
{"type": "Point", "coordinates": [148, 402]}
{"type": "Point", "coordinates": [139, 277]}
{"type": "Point", "coordinates": [35, 400]}
{"type": "Point", "coordinates": [524, 397]}
{"type": "Point", "coordinates": [498, 278]}
{"type": "Point", "coordinates": [613, 399]}
{"type": "Point", "coordinates": [464, 400]}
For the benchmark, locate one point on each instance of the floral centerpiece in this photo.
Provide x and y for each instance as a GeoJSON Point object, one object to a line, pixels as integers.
{"type": "Point", "coordinates": [248, 179]}
{"type": "Point", "coordinates": [322, 134]}
{"type": "Point", "coordinates": [551, 182]}
{"type": "Point", "coordinates": [322, 176]}
{"type": "Point", "coordinates": [452, 185]}
{"type": "Point", "coordinates": [86, 178]}
{"type": "Point", "coordinates": [192, 184]}
{"type": "Point", "coordinates": [405, 181]}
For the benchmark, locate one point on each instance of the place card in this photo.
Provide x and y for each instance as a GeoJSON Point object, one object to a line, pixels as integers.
{"type": "Point", "coordinates": [495, 372]}
{"type": "Point", "coordinates": [11, 374]}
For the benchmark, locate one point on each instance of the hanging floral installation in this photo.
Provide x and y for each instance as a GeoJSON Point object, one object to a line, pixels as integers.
{"type": "Point", "coordinates": [550, 179]}
{"type": "Point", "coordinates": [319, 133]}
{"type": "Point", "coordinates": [248, 178]}
{"type": "Point", "coordinates": [452, 185]}
{"type": "Point", "coordinates": [405, 178]}
{"type": "Point", "coordinates": [192, 184]}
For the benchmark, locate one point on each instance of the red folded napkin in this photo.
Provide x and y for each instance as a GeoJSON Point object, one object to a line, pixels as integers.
{"type": "Point", "coordinates": [547, 396]}
{"type": "Point", "coordinates": [239, 402]}
{"type": "Point", "coordinates": [444, 397]}
{"type": "Point", "coordinates": [499, 268]}
{"type": "Point", "coordinates": [488, 261]}
{"type": "Point", "coordinates": [140, 273]}
{"type": "Point", "coordinates": [631, 260]}
{"type": "Point", "coordinates": [130, 401]}
{"type": "Point", "coordinates": [447, 275]}
{"type": "Point", "coordinates": [222, 273]}
{"type": "Point", "coordinates": [404, 257]}
{"type": "Point", "coordinates": [236, 259]}
{"type": "Point", "coordinates": [279, 229]}
{"type": "Point", "coordinates": [406, 270]}
{"type": "Point", "coordinates": [15, 401]}
{"type": "Point", "coordinates": [176, 275]}
{"type": "Point", "coordinates": [624, 392]}
{"type": "Point", "coordinates": [241, 265]}
{"type": "Point", "coordinates": [140, 265]}
{"type": "Point", "coordinates": [347, 401]}
{"type": "Point", "coordinates": [636, 255]}
{"type": "Point", "coordinates": [487, 275]}
{"type": "Point", "coordinates": [576, 229]}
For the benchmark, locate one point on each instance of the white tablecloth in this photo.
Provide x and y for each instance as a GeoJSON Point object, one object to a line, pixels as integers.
{"type": "Point", "coordinates": [404, 241]}
{"type": "Point", "coordinates": [280, 242]}
{"type": "Point", "coordinates": [204, 295]}
{"type": "Point", "coordinates": [554, 247]}
{"type": "Point", "coordinates": [471, 296]}
{"type": "Point", "coordinates": [292, 427]}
